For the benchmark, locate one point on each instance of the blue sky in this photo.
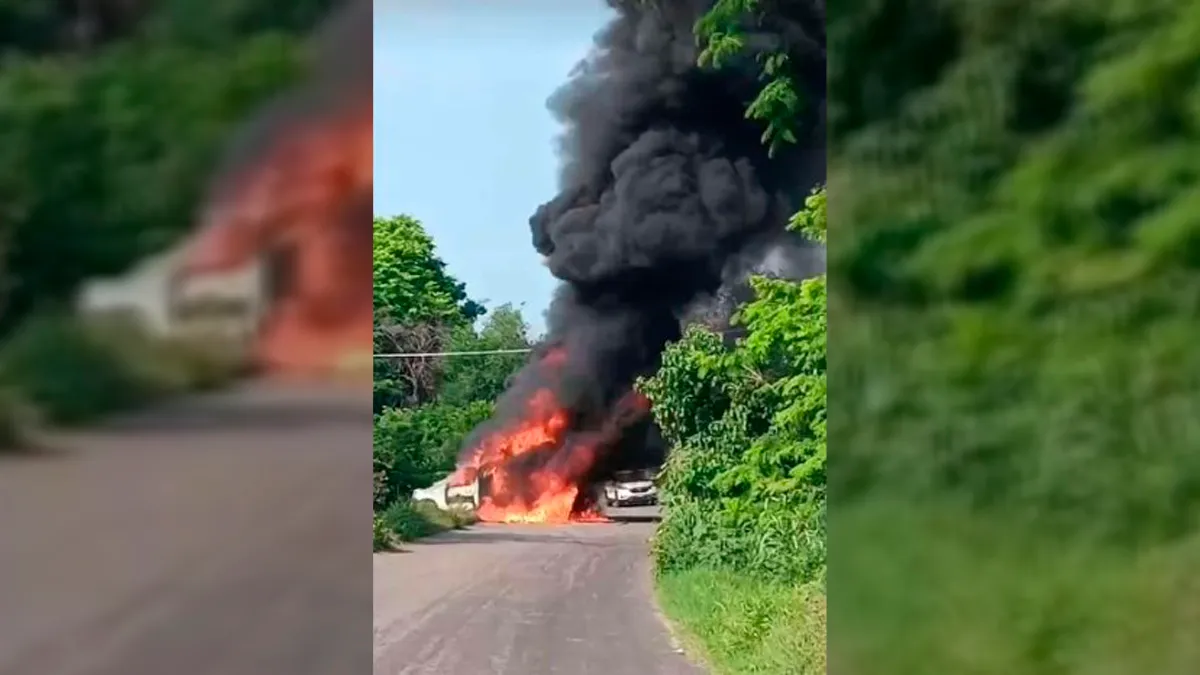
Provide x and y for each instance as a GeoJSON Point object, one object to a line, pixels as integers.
{"type": "Point", "coordinates": [463, 140]}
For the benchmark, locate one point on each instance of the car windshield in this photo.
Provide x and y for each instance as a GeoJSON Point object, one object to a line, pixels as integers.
{"type": "Point", "coordinates": [632, 476]}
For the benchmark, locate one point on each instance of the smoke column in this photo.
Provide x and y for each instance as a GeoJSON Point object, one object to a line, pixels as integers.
{"type": "Point", "coordinates": [667, 194]}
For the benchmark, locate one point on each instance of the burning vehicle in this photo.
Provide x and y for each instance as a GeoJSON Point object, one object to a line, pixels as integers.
{"type": "Point", "coordinates": [294, 191]}
{"type": "Point", "coordinates": [668, 199]}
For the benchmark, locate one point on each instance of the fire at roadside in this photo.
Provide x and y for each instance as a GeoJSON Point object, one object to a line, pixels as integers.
{"type": "Point", "coordinates": [668, 202]}
{"type": "Point", "coordinates": [295, 189]}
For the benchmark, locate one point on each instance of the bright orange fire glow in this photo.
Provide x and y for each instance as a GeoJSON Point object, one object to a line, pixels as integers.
{"type": "Point", "coordinates": [304, 194]}
{"type": "Point", "coordinates": [534, 469]}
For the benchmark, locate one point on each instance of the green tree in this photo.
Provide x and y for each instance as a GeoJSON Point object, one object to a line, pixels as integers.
{"type": "Point", "coordinates": [744, 485]}
{"type": "Point", "coordinates": [485, 377]}
{"type": "Point", "coordinates": [411, 282]}
{"type": "Point", "coordinates": [778, 106]}
{"type": "Point", "coordinates": [418, 306]}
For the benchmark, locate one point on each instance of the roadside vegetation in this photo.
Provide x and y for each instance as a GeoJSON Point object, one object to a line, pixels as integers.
{"type": "Point", "coordinates": [1014, 281]}
{"type": "Point", "coordinates": [72, 369]}
{"type": "Point", "coordinates": [112, 117]}
{"type": "Point", "coordinates": [740, 554]}
{"type": "Point", "coordinates": [426, 406]}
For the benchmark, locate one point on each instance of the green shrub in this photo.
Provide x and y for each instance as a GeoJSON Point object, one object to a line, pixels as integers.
{"type": "Point", "coordinates": [1017, 482]}
{"type": "Point", "coordinates": [72, 370]}
{"type": "Point", "coordinates": [414, 447]}
{"type": "Point", "coordinates": [406, 520]}
{"type": "Point", "coordinates": [382, 537]}
{"type": "Point", "coordinates": [16, 418]}
{"type": "Point", "coordinates": [744, 486]}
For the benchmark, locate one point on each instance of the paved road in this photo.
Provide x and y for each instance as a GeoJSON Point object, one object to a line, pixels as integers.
{"type": "Point", "coordinates": [226, 536]}
{"type": "Point", "coordinates": [523, 600]}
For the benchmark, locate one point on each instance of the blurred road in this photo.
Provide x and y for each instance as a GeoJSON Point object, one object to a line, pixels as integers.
{"type": "Point", "coordinates": [225, 535]}
{"type": "Point", "coordinates": [524, 600]}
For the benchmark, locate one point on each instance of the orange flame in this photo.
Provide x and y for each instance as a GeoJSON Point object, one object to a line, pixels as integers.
{"type": "Point", "coordinates": [552, 491]}
{"type": "Point", "coordinates": [302, 194]}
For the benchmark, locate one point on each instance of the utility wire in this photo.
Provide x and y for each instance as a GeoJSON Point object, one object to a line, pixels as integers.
{"type": "Point", "coordinates": [418, 355]}
{"type": "Point", "coordinates": [485, 352]}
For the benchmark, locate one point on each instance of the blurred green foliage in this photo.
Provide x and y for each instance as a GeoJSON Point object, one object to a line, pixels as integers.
{"type": "Point", "coordinates": [1012, 266]}
{"type": "Point", "coordinates": [113, 116]}
{"type": "Point", "coordinates": [1013, 285]}
{"type": "Point", "coordinates": [69, 370]}
{"type": "Point", "coordinates": [112, 119]}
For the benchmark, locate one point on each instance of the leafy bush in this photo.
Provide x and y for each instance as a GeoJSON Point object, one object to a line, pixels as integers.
{"type": "Point", "coordinates": [414, 447]}
{"type": "Point", "coordinates": [72, 369]}
{"type": "Point", "coordinates": [15, 419]}
{"type": "Point", "coordinates": [381, 537]}
{"type": "Point", "coordinates": [744, 487]}
{"type": "Point", "coordinates": [406, 520]}
{"type": "Point", "coordinates": [1016, 282]}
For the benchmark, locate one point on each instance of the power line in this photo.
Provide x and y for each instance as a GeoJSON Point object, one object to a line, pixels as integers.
{"type": "Point", "coordinates": [484, 352]}
{"type": "Point", "coordinates": [417, 355]}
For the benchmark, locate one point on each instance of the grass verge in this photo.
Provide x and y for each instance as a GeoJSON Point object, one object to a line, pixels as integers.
{"type": "Point", "coordinates": [408, 521]}
{"type": "Point", "coordinates": [924, 590]}
{"type": "Point", "coordinates": [744, 626]}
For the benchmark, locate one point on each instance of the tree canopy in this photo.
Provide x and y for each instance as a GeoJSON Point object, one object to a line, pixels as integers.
{"type": "Point", "coordinates": [744, 484]}
{"type": "Point", "coordinates": [411, 282]}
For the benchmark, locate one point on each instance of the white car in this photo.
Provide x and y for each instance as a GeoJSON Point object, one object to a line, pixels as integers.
{"type": "Point", "coordinates": [631, 488]}
{"type": "Point", "coordinates": [447, 496]}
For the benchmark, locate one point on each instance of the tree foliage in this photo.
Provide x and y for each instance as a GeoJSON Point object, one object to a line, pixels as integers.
{"type": "Point", "coordinates": [414, 447]}
{"type": "Point", "coordinates": [418, 307]}
{"type": "Point", "coordinates": [485, 377]}
{"type": "Point", "coordinates": [779, 105]}
{"type": "Point", "coordinates": [111, 123]}
{"type": "Point", "coordinates": [744, 484]}
{"type": "Point", "coordinates": [1027, 200]}
{"type": "Point", "coordinates": [411, 282]}
{"type": "Point", "coordinates": [1014, 281]}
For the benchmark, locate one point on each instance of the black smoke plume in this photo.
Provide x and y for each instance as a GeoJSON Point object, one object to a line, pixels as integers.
{"type": "Point", "coordinates": [667, 196]}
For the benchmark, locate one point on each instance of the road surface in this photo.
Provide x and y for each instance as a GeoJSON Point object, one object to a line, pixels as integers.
{"type": "Point", "coordinates": [228, 535]}
{"type": "Point", "coordinates": [523, 600]}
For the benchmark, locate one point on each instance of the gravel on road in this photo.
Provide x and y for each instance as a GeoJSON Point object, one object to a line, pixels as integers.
{"type": "Point", "coordinates": [523, 600]}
